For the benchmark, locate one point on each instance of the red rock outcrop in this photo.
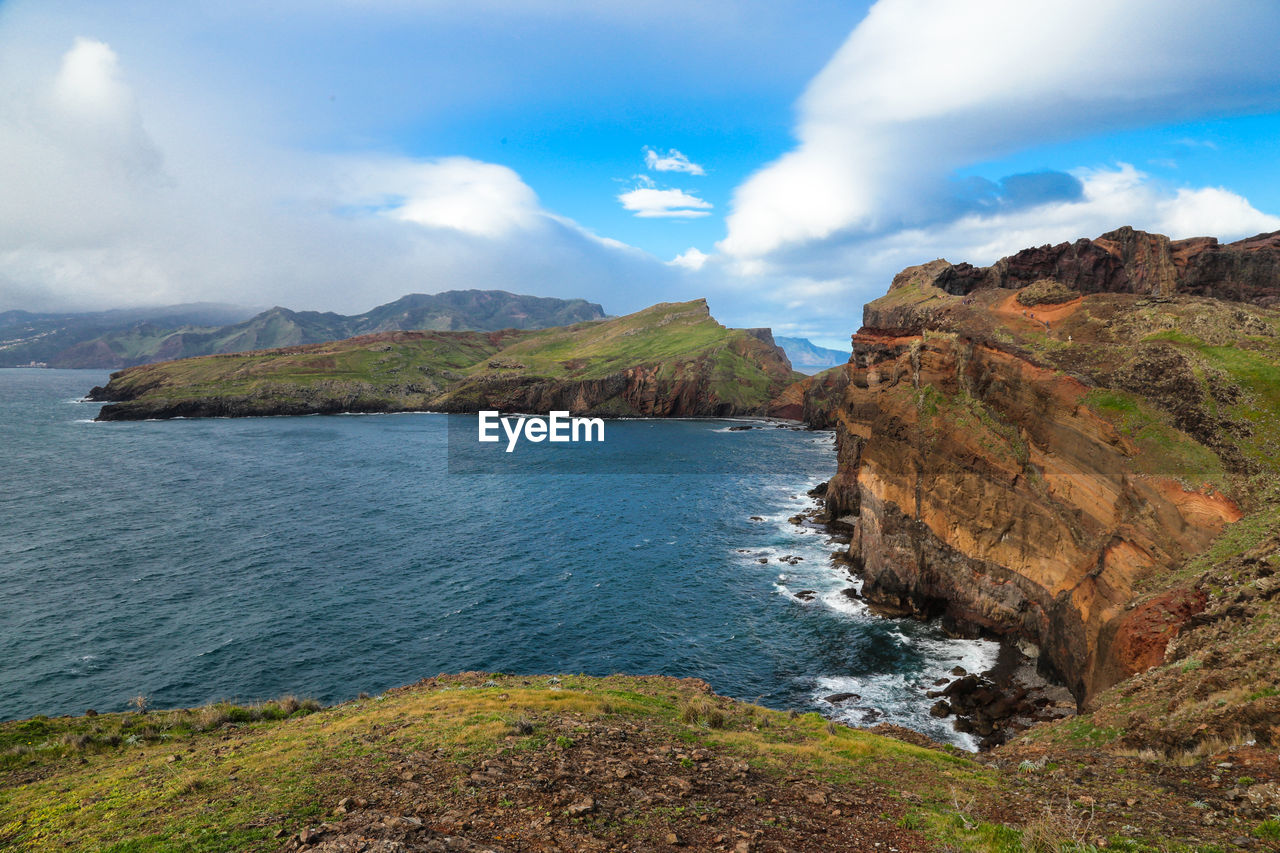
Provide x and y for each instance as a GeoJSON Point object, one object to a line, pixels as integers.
{"type": "Point", "coordinates": [984, 486]}
{"type": "Point", "coordinates": [1131, 261]}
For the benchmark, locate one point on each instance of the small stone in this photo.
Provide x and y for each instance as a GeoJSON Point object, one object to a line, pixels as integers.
{"type": "Point", "coordinates": [673, 839]}
{"type": "Point", "coordinates": [582, 806]}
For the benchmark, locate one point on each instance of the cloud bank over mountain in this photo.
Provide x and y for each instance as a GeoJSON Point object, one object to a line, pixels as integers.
{"type": "Point", "coordinates": [134, 174]}
{"type": "Point", "coordinates": [922, 89]}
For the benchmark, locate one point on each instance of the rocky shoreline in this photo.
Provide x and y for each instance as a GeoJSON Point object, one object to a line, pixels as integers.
{"type": "Point", "coordinates": [994, 706]}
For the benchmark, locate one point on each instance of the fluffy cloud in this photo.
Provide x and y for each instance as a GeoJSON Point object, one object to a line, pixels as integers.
{"type": "Point", "coordinates": [459, 193]}
{"type": "Point", "coordinates": [690, 259]}
{"type": "Point", "coordinates": [672, 161]}
{"type": "Point", "coordinates": [104, 206]}
{"type": "Point", "coordinates": [650, 202]}
{"type": "Point", "coordinates": [922, 88]}
{"type": "Point", "coordinates": [817, 292]}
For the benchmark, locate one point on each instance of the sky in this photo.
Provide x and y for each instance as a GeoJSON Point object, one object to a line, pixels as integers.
{"type": "Point", "coordinates": [783, 160]}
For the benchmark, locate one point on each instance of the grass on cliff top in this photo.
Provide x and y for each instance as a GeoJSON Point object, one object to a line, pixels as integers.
{"type": "Point", "coordinates": [1163, 450]}
{"type": "Point", "coordinates": [666, 333]}
{"type": "Point", "coordinates": [668, 336]}
{"type": "Point", "coordinates": [393, 362]}
{"type": "Point", "coordinates": [214, 779]}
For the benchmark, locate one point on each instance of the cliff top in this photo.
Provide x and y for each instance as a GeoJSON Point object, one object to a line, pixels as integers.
{"type": "Point", "coordinates": [673, 344]}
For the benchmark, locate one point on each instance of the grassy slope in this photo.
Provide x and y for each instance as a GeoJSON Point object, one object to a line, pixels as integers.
{"type": "Point", "coordinates": [418, 369]}
{"type": "Point", "coordinates": [235, 783]}
{"type": "Point", "coordinates": [377, 361]}
{"type": "Point", "coordinates": [229, 778]}
{"type": "Point", "coordinates": [678, 339]}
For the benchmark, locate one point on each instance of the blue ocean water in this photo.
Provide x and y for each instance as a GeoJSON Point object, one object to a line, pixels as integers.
{"type": "Point", "coordinates": [195, 560]}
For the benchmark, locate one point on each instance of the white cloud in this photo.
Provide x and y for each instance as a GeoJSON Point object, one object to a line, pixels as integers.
{"type": "Point", "coordinates": [102, 208]}
{"type": "Point", "coordinates": [672, 161]}
{"type": "Point", "coordinates": [467, 195]}
{"type": "Point", "coordinates": [899, 108]}
{"type": "Point", "coordinates": [649, 202]}
{"type": "Point", "coordinates": [690, 259]}
{"type": "Point", "coordinates": [824, 286]}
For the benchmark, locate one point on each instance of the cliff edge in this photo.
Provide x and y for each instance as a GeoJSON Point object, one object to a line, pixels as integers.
{"type": "Point", "coordinates": [1029, 449]}
{"type": "Point", "coordinates": [669, 360]}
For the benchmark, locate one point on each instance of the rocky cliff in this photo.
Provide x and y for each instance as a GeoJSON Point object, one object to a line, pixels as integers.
{"type": "Point", "coordinates": [1023, 447]}
{"type": "Point", "coordinates": [671, 360]}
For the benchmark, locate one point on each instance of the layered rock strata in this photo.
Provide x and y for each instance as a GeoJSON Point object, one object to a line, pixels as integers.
{"type": "Point", "coordinates": [1029, 468]}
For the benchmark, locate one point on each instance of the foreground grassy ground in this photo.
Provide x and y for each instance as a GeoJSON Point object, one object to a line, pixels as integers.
{"type": "Point", "coordinates": [482, 762]}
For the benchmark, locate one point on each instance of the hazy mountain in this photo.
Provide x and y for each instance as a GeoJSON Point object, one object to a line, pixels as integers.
{"type": "Point", "coordinates": [808, 357]}
{"type": "Point", "coordinates": [112, 339]}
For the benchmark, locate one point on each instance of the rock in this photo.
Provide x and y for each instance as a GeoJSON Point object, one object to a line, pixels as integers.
{"type": "Point", "coordinates": [940, 709]}
{"type": "Point", "coordinates": [981, 547]}
{"type": "Point", "coordinates": [581, 807]}
{"type": "Point", "coordinates": [757, 518]}
{"type": "Point", "coordinates": [740, 428]}
{"type": "Point", "coordinates": [959, 671]}
{"type": "Point", "coordinates": [836, 698]}
{"type": "Point", "coordinates": [806, 595]}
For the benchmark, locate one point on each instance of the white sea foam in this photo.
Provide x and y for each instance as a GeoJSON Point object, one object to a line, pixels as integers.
{"type": "Point", "coordinates": [885, 698]}
{"type": "Point", "coordinates": [896, 698]}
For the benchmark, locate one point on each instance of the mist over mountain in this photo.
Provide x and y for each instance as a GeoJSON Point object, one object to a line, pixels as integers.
{"type": "Point", "coordinates": [112, 339]}
{"type": "Point", "coordinates": [808, 357]}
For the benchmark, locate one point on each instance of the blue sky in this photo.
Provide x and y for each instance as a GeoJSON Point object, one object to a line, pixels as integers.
{"type": "Point", "coordinates": [335, 154]}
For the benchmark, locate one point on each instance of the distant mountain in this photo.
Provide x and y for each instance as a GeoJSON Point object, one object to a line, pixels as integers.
{"type": "Point", "coordinates": [808, 357]}
{"type": "Point", "coordinates": [27, 336]}
{"type": "Point", "coordinates": [112, 339]}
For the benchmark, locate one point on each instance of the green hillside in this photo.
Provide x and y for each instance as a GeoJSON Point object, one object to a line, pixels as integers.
{"type": "Point", "coordinates": [668, 359]}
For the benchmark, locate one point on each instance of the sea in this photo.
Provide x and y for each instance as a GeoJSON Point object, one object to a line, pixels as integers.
{"type": "Point", "coordinates": [191, 561]}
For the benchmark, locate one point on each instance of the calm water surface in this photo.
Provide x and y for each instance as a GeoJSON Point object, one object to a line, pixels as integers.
{"type": "Point", "coordinates": [195, 560]}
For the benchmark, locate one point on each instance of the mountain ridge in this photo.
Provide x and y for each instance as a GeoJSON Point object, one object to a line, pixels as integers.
{"type": "Point", "coordinates": [126, 337]}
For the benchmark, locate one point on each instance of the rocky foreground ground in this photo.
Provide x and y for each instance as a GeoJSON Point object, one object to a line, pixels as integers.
{"type": "Point", "coordinates": [481, 762]}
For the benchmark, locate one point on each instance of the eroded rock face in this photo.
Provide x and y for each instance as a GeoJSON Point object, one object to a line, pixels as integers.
{"type": "Point", "coordinates": [983, 491]}
{"type": "Point", "coordinates": [1131, 261]}
{"type": "Point", "coordinates": [982, 483]}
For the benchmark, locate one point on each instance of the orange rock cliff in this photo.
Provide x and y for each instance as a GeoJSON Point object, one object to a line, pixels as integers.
{"type": "Point", "coordinates": [1024, 448]}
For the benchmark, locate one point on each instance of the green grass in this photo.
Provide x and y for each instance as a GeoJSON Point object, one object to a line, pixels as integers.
{"type": "Point", "coordinates": [1253, 365]}
{"type": "Point", "coordinates": [238, 780]}
{"type": "Point", "coordinates": [672, 343]}
{"type": "Point", "coordinates": [1268, 830]}
{"type": "Point", "coordinates": [1162, 449]}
